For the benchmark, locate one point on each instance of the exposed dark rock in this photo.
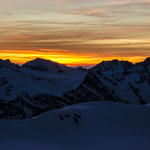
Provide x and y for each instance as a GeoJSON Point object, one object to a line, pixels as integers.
{"type": "Point", "coordinates": [76, 120]}
{"type": "Point", "coordinates": [67, 115]}
{"type": "Point", "coordinates": [78, 116]}
{"type": "Point", "coordinates": [60, 116]}
{"type": "Point", "coordinates": [60, 71]}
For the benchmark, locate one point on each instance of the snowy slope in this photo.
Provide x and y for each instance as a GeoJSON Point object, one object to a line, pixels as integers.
{"type": "Point", "coordinates": [28, 90]}
{"type": "Point", "coordinates": [101, 126]}
{"type": "Point", "coordinates": [115, 80]}
{"type": "Point", "coordinates": [36, 77]}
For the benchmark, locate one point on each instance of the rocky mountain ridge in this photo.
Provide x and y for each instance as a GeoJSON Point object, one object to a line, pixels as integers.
{"type": "Point", "coordinates": [118, 81]}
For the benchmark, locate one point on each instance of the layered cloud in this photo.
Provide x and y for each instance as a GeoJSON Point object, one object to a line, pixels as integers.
{"type": "Point", "coordinates": [74, 32]}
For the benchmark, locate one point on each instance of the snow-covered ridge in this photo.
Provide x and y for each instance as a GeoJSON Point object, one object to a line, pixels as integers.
{"type": "Point", "coordinates": [37, 76]}
{"type": "Point", "coordinates": [45, 65]}
{"type": "Point", "coordinates": [7, 64]}
{"type": "Point", "coordinates": [41, 85]}
{"type": "Point", "coordinates": [115, 80]}
{"type": "Point", "coordinates": [87, 126]}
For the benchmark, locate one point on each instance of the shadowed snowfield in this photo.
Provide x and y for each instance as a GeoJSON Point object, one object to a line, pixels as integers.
{"type": "Point", "coordinates": [87, 126]}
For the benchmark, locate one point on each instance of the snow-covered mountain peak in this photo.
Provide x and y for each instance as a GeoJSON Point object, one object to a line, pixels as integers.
{"type": "Point", "coordinates": [8, 64]}
{"type": "Point", "coordinates": [8, 61]}
{"type": "Point", "coordinates": [113, 67]}
{"type": "Point", "coordinates": [36, 77]}
{"type": "Point", "coordinates": [44, 65]}
{"type": "Point", "coordinates": [147, 60]}
{"type": "Point", "coordinates": [116, 62]}
{"type": "Point", "coordinates": [143, 67]}
{"type": "Point", "coordinates": [40, 82]}
{"type": "Point", "coordinates": [4, 62]}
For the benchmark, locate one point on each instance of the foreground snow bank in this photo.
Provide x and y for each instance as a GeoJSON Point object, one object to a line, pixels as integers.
{"type": "Point", "coordinates": [87, 126]}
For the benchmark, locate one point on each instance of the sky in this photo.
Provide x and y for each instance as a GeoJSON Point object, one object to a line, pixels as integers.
{"type": "Point", "coordinates": [75, 32]}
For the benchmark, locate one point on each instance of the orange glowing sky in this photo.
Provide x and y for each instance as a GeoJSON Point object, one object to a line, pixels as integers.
{"type": "Point", "coordinates": [75, 32]}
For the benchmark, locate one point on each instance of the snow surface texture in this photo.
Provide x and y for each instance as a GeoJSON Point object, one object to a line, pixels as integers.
{"type": "Point", "coordinates": [87, 126]}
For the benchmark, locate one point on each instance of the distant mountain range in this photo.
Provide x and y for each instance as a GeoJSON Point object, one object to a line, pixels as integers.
{"type": "Point", "coordinates": [41, 85]}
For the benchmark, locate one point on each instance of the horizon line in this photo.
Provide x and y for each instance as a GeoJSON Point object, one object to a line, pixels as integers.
{"type": "Point", "coordinates": [77, 65]}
